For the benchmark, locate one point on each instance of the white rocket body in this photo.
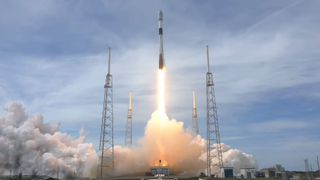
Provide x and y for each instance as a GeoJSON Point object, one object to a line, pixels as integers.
{"type": "Point", "coordinates": [161, 54]}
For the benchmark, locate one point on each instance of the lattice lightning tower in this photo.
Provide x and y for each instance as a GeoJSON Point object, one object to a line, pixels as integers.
{"type": "Point", "coordinates": [128, 139]}
{"type": "Point", "coordinates": [195, 127]}
{"type": "Point", "coordinates": [306, 163]}
{"type": "Point", "coordinates": [311, 172]}
{"type": "Point", "coordinates": [213, 134]}
{"type": "Point", "coordinates": [106, 146]}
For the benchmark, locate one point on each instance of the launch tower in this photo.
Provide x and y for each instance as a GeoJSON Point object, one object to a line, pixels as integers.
{"type": "Point", "coordinates": [195, 127]}
{"type": "Point", "coordinates": [128, 139]}
{"type": "Point", "coordinates": [213, 134]}
{"type": "Point", "coordinates": [106, 146]}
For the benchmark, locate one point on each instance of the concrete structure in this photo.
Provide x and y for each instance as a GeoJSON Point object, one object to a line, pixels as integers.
{"type": "Point", "coordinates": [297, 176]}
{"type": "Point", "coordinates": [288, 175]}
{"type": "Point", "coordinates": [248, 172]}
{"type": "Point", "coordinates": [160, 170]}
{"type": "Point", "coordinates": [269, 172]}
{"type": "Point", "coordinates": [226, 172]}
{"type": "Point", "coordinates": [280, 172]}
{"type": "Point", "coordinates": [278, 167]}
{"type": "Point", "coordinates": [281, 175]}
{"type": "Point", "coordinates": [260, 174]}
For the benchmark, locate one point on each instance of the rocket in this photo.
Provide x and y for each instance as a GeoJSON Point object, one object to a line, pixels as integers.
{"type": "Point", "coordinates": [161, 58]}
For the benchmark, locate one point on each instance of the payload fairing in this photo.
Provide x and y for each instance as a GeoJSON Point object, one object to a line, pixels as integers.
{"type": "Point", "coordinates": [161, 55]}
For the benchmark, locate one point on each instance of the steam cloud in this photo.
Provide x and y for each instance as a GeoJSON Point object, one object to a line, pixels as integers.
{"type": "Point", "coordinates": [32, 146]}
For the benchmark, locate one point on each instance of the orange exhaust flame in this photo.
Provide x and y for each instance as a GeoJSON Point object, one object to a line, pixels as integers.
{"type": "Point", "coordinates": [163, 163]}
{"type": "Point", "coordinates": [161, 112]}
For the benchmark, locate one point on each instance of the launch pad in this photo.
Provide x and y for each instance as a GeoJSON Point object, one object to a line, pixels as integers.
{"type": "Point", "coordinates": [165, 170]}
{"type": "Point", "coordinates": [107, 159]}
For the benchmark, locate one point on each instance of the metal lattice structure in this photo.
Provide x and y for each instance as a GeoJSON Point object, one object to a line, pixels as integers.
{"type": "Point", "coordinates": [106, 146]}
{"type": "Point", "coordinates": [128, 138]}
{"type": "Point", "coordinates": [213, 133]}
{"type": "Point", "coordinates": [318, 166]}
{"type": "Point", "coordinates": [311, 172]}
{"type": "Point", "coordinates": [306, 163]}
{"type": "Point", "coordinates": [195, 127]}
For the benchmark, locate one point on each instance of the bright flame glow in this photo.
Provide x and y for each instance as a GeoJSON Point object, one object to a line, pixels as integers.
{"type": "Point", "coordinates": [161, 94]}
{"type": "Point", "coordinates": [163, 163]}
{"type": "Point", "coordinates": [161, 112]}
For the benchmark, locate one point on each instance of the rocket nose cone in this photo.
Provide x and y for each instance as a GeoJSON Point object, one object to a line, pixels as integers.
{"type": "Point", "coordinates": [160, 16]}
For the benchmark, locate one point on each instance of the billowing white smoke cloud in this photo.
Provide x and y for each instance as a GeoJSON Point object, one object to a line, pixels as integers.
{"type": "Point", "coordinates": [167, 140]}
{"type": "Point", "coordinates": [32, 146]}
{"type": "Point", "coordinates": [29, 145]}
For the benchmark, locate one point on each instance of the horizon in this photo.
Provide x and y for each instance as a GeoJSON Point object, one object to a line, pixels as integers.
{"type": "Point", "coordinates": [264, 57]}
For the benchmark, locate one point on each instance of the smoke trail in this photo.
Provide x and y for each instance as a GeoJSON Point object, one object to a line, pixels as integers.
{"type": "Point", "coordinates": [34, 147]}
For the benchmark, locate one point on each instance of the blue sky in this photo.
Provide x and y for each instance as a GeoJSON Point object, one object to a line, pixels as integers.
{"type": "Point", "coordinates": [264, 56]}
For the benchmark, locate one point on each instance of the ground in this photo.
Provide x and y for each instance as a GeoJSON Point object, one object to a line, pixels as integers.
{"type": "Point", "coordinates": [181, 177]}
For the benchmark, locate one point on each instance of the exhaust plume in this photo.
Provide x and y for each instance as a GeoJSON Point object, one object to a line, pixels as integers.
{"type": "Point", "coordinates": [161, 106]}
{"type": "Point", "coordinates": [185, 152]}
